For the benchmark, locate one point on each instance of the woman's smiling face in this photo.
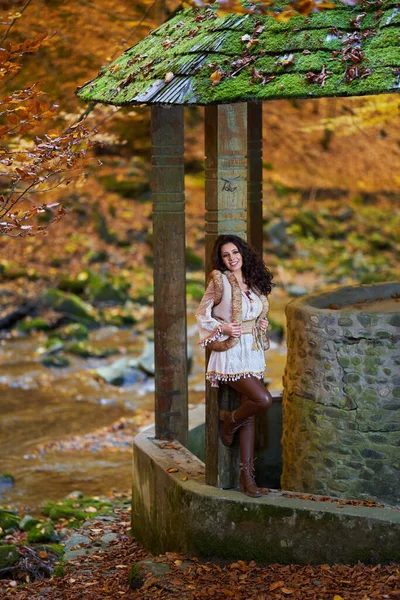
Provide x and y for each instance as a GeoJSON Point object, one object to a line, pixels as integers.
{"type": "Point", "coordinates": [231, 257]}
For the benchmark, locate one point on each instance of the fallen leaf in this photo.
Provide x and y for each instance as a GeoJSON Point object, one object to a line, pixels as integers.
{"type": "Point", "coordinates": [172, 470]}
{"type": "Point", "coordinates": [216, 77]}
{"type": "Point", "coordinates": [336, 597]}
{"type": "Point", "coordinates": [276, 585]}
{"type": "Point", "coordinates": [287, 590]}
{"type": "Point", "coordinates": [185, 478]}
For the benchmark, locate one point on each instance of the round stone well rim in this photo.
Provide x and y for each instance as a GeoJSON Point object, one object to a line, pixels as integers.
{"type": "Point", "coordinates": [354, 294]}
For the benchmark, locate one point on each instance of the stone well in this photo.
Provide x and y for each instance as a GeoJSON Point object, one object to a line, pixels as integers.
{"type": "Point", "coordinates": [341, 402]}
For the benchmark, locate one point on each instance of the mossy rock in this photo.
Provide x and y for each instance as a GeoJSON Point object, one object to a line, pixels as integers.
{"type": "Point", "coordinates": [53, 345]}
{"type": "Point", "coordinates": [84, 350]}
{"type": "Point", "coordinates": [71, 284]}
{"type": "Point", "coordinates": [98, 256]}
{"type": "Point", "coordinates": [56, 549]}
{"type": "Point", "coordinates": [100, 289]}
{"type": "Point", "coordinates": [118, 316]}
{"type": "Point", "coordinates": [144, 295]}
{"type": "Point", "coordinates": [71, 305]}
{"type": "Point", "coordinates": [33, 324]}
{"type": "Point", "coordinates": [59, 571]}
{"type": "Point", "coordinates": [73, 331]}
{"type": "Point", "coordinates": [308, 223]}
{"type": "Point", "coordinates": [135, 577]}
{"type": "Point", "coordinates": [9, 556]}
{"type": "Point", "coordinates": [41, 532]}
{"type": "Point", "coordinates": [8, 519]}
{"type": "Point", "coordinates": [76, 510]}
{"type": "Point", "coordinates": [54, 360]}
{"type": "Point", "coordinates": [11, 270]}
{"type": "Point", "coordinates": [27, 523]}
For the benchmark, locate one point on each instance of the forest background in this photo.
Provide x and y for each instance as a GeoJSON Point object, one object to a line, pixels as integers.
{"type": "Point", "coordinates": [331, 178]}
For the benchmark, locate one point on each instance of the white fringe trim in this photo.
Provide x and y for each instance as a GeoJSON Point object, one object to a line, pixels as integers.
{"type": "Point", "coordinates": [215, 378]}
{"type": "Point", "coordinates": [215, 336]}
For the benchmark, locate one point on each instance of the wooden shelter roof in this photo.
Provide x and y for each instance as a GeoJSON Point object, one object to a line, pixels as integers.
{"type": "Point", "coordinates": [199, 58]}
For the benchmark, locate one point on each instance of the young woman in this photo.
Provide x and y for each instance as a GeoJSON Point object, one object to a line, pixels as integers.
{"type": "Point", "coordinates": [232, 320]}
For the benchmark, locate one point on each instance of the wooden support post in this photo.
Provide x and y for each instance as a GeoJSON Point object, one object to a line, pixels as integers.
{"type": "Point", "coordinates": [170, 337]}
{"type": "Point", "coordinates": [255, 228]}
{"type": "Point", "coordinates": [255, 176]}
{"type": "Point", "coordinates": [226, 209]}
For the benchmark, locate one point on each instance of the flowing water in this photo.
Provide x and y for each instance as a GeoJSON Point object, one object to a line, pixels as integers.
{"type": "Point", "coordinates": [41, 406]}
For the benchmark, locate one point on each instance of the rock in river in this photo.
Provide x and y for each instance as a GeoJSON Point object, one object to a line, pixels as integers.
{"type": "Point", "coordinates": [71, 305]}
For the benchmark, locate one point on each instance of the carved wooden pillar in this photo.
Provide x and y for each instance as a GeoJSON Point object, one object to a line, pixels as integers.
{"type": "Point", "coordinates": [255, 233]}
{"type": "Point", "coordinates": [171, 405]}
{"type": "Point", "coordinates": [226, 208]}
{"type": "Point", "coordinates": [255, 176]}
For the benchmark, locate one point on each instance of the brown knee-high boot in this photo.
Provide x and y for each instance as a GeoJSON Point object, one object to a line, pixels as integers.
{"type": "Point", "coordinates": [247, 481]}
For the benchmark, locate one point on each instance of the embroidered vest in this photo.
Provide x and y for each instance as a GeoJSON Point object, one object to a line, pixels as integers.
{"type": "Point", "coordinates": [260, 337]}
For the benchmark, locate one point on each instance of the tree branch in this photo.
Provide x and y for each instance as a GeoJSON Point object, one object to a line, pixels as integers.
{"type": "Point", "coordinates": [13, 21]}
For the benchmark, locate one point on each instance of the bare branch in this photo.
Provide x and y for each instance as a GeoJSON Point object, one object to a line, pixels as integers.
{"type": "Point", "coordinates": [13, 21]}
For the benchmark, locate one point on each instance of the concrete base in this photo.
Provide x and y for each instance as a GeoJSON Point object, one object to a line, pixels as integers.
{"type": "Point", "coordinates": [174, 510]}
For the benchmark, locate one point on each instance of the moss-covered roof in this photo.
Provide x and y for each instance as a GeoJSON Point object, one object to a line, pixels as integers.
{"type": "Point", "coordinates": [199, 58]}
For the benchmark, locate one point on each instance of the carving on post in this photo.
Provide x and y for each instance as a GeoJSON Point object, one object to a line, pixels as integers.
{"type": "Point", "coordinates": [171, 406]}
{"type": "Point", "coordinates": [226, 210]}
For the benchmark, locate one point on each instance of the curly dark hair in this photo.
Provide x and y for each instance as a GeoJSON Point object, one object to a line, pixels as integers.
{"type": "Point", "coordinates": [255, 272]}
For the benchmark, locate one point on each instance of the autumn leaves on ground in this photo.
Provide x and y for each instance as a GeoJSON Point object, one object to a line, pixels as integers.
{"type": "Point", "coordinates": [126, 570]}
{"type": "Point", "coordinates": [331, 190]}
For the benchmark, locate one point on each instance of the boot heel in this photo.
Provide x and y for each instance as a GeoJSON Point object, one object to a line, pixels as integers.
{"type": "Point", "coordinates": [247, 482]}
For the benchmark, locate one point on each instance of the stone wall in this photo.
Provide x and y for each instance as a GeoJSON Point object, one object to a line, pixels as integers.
{"type": "Point", "coordinates": [341, 403]}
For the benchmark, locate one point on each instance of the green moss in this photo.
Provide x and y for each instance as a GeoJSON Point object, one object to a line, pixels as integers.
{"type": "Point", "coordinates": [85, 350]}
{"type": "Point", "coordinates": [41, 532]}
{"type": "Point", "coordinates": [8, 519]}
{"type": "Point", "coordinates": [9, 556]}
{"type": "Point", "coordinates": [71, 305]}
{"type": "Point", "coordinates": [74, 331]}
{"type": "Point", "coordinates": [33, 324]}
{"type": "Point", "coordinates": [77, 510]}
{"type": "Point", "coordinates": [57, 549]}
{"type": "Point", "coordinates": [172, 48]}
{"type": "Point", "coordinates": [135, 577]}
{"type": "Point", "coordinates": [59, 571]}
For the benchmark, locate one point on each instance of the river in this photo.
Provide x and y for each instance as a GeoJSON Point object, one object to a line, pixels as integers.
{"type": "Point", "coordinates": [48, 415]}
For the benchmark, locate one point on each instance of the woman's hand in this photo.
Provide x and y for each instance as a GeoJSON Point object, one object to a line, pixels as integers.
{"type": "Point", "coordinates": [232, 329]}
{"type": "Point", "coordinates": [263, 324]}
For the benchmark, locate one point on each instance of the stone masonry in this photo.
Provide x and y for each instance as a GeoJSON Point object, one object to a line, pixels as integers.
{"type": "Point", "coordinates": [341, 402]}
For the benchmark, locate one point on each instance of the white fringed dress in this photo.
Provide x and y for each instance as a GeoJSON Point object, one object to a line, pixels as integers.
{"type": "Point", "coordinates": [243, 359]}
